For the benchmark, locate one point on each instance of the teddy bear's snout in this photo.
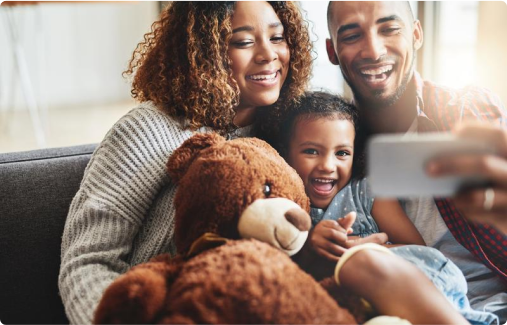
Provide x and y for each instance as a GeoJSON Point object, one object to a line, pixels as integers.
{"type": "Point", "coordinates": [276, 221]}
{"type": "Point", "coordinates": [299, 218]}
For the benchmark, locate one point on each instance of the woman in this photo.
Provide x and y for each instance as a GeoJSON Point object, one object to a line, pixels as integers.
{"type": "Point", "coordinates": [205, 66]}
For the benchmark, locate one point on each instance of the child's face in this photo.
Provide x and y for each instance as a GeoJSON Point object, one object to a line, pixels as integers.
{"type": "Point", "coordinates": [321, 151]}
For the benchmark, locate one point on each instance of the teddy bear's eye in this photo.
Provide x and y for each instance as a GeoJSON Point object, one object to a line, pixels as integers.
{"type": "Point", "coordinates": [267, 190]}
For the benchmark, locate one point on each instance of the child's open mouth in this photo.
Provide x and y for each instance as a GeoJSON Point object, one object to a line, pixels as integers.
{"type": "Point", "coordinates": [323, 186]}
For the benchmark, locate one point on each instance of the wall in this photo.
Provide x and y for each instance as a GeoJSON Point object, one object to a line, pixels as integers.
{"type": "Point", "coordinates": [492, 47]}
{"type": "Point", "coordinates": [325, 76]}
{"type": "Point", "coordinates": [74, 52]}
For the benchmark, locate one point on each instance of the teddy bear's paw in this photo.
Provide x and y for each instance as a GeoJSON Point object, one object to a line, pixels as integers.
{"type": "Point", "coordinates": [387, 320]}
{"type": "Point", "coordinates": [134, 297]}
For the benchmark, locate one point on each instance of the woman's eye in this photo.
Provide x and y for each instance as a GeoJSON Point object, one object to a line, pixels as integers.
{"type": "Point", "coordinates": [277, 39]}
{"type": "Point", "coordinates": [242, 43]}
{"type": "Point", "coordinates": [267, 190]}
{"type": "Point", "coordinates": [342, 153]}
{"type": "Point", "coordinates": [310, 151]}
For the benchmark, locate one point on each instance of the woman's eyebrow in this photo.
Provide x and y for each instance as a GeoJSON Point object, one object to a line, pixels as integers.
{"type": "Point", "coordinates": [251, 28]}
{"type": "Point", "coordinates": [242, 29]}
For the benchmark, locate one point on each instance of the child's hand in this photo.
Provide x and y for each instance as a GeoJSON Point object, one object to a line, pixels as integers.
{"type": "Point", "coordinates": [329, 237]}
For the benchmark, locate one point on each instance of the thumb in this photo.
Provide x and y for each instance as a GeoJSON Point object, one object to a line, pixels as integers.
{"type": "Point", "coordinates": [347, 221]}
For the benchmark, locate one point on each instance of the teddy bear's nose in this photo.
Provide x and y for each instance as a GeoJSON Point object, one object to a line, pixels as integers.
{"type": "Point", "coordinates": [299, 218]}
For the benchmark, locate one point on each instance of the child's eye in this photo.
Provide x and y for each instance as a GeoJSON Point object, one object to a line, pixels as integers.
{"type": "Point", "coordinates": [310, 151]}
{"type": "Point", "coordinates": [343, 153]}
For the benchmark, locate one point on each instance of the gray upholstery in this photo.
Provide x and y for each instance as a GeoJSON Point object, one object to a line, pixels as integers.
{"type": "Point", "coordinates": [36, 189]}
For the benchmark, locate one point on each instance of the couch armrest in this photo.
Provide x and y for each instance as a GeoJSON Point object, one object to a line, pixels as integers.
{"type": "Point", "coordinates": [36, 189]}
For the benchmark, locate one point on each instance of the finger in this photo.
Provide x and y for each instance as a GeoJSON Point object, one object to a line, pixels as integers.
{"type": "Point", "coordinates": [336, 236]}
{"type": "Point", "coordinates": [488, 166]}
{"type": "Point", "coordinates": [330, 240]}
{"type": "Point", "coordinates": [327, 255]}
{"type": "Point", "coordinates": [332, 224]}
{"type": "Point", "coordinates": [347, 221]}
{"type": "Point", "coordinates": [484, 131]}
{"type": "Point", "coordinates": [474, 200]}
{"type": "Point", "coordinates": [380, 238]}
{"type": "Point", "coordinates": [320, 243]}
{"type": "Point", "coordinates": [331, 231]}
{"type": "Point", "coordinates": [495, 219]}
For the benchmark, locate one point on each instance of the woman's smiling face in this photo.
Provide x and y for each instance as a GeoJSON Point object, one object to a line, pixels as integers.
{"type": "Point", "coordinates": [260, 57]}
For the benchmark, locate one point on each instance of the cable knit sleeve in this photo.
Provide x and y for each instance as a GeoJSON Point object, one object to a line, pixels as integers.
{"type": "Point", "coordinates": [121, 183]}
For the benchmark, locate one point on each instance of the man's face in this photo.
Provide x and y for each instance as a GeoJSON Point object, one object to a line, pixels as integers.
{"type": "Point", "coordinates": [374, 43]}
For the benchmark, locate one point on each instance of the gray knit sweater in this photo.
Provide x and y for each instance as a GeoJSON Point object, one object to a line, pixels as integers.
{"type": "Point", "coordinates": [123, 213]}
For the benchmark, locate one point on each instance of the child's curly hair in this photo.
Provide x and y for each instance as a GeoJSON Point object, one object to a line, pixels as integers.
{"type": "Point", "coordinates": [316, 105]}
{"type": "Point", "coordinates": [182, 65]}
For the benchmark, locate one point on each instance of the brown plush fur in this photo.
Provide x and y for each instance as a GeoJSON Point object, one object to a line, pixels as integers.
{"type": "Point", "coordinates": [242, 281]}
{"type": "Point", "coordinates": [219, 179]}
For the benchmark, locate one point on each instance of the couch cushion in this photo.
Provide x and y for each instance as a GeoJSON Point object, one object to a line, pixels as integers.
{"type": "Point", "coordinates": [36, 189]}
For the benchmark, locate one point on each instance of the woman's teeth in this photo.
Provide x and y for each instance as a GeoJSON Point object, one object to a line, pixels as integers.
{"type": "Point", "coordinates": [262, 76]}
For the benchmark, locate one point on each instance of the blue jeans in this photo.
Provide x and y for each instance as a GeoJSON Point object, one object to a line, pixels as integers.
{"type": "Point", "coordinates": [447, 277]}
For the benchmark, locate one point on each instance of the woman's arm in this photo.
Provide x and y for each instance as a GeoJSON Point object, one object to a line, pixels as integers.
{"type": "Point", "coordinates": [392, 220]}
{"type": "Point", "coordinates": [104, 234]}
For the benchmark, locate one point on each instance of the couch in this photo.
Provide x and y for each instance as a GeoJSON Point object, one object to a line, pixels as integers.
{"type": "Point", "coordinates": [36, 189]}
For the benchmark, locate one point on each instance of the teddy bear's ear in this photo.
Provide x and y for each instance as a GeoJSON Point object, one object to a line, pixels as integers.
{"type": "Point", "coordinates": [183, 157]}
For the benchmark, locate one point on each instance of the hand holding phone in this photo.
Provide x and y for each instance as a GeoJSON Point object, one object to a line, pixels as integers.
{"type": "Point", "coordinates": [481, 204]}
{"type": "Point", "coordinates": [397, 164]}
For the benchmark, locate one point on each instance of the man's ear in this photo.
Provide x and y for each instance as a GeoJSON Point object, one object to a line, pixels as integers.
{"type": "Point", "coordinates": [331, 54]}
{"type": "Point", "coordinates": [418, 35]}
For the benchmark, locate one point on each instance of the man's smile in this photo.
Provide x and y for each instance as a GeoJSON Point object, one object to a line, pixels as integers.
{"type": "Point", "coordinates": [376, 77]}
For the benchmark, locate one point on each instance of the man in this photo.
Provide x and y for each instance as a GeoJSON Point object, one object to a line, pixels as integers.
{"type": "Point", "coordinates": [375, 45]}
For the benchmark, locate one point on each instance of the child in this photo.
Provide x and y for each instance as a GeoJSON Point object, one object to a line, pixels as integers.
{"type": "Point", "coordinates": [317, 139]}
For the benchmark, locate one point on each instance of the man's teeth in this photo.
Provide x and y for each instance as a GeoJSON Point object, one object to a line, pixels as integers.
{"type": "Point", "coordinates": [377, 71]}
{"type": "Point", "coordinates": [262, 76]}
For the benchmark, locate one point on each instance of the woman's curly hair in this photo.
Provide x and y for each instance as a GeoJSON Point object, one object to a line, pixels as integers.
{"type": "Point", "coordinates": [182, 65]}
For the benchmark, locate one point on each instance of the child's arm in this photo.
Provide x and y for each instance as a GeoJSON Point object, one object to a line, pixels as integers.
{"type": "Point", "coordinates": [392, 220]}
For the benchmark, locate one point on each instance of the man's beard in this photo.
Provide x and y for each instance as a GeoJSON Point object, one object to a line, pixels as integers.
{"type": "Point", "coordinates": [376, 100]}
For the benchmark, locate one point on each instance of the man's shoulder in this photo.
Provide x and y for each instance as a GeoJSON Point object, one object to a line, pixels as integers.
{"type": "Point", "coordinates": [446, 105]}
{"type": "Point", "coordinates": [435, 91]}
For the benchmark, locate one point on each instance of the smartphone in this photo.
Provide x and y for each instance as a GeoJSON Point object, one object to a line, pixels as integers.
{"type": "Point", "coordinates": [396, 164]}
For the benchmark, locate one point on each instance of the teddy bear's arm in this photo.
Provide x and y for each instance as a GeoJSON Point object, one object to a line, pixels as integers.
{"type": "Point", "coordinates": [138, 295]}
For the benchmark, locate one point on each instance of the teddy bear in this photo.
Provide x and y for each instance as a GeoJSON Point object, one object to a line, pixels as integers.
{"type": "Point", "coordinates": [241, 212]}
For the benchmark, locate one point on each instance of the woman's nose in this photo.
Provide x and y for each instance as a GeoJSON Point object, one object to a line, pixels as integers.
{"type": "Point", "coordinates": [266, 53]}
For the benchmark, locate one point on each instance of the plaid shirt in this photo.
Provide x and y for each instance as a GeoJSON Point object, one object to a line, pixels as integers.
{"type": "Point", "coordinates": [439, 109]}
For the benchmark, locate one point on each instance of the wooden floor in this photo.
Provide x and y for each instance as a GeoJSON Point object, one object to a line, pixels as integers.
{"type": "Point", "coordinates": [62, 126]}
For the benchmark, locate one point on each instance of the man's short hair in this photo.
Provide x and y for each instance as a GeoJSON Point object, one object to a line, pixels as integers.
{"type": "Point", "coordinates": [408, 9]}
